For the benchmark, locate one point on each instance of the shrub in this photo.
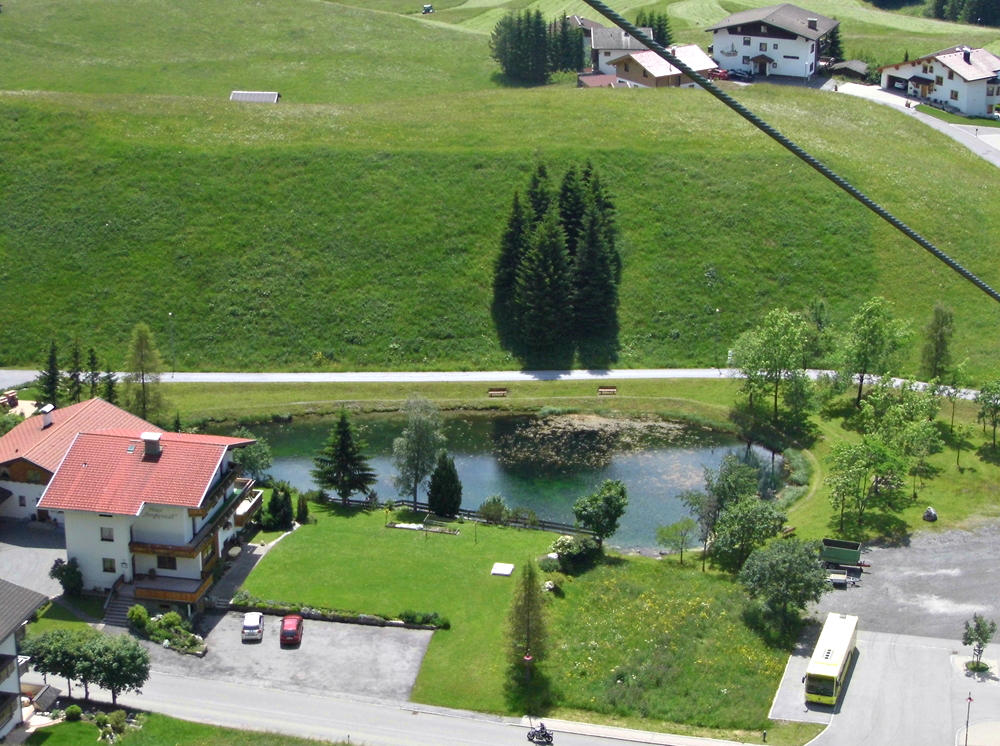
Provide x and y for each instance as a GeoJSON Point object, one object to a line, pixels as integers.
{"type": "Point", "coordinates": [138, 617]}
{"type": "Point", "coordinates": [74, 713]}
{"type": "Point", "coordinates": [117, 720]}
{"type": "Point", "coordinates": [797, 468]}
{"type": "Point", "coordinates": [575, 552]}
{"type": "Point", "coordinates": [302, 510]}
{"type": "Point", "coordinates": [494, 510]}
{"type": "Point", "coordinates": [548, 564]}
{"type": "Point", "coordinates": [69, 575]}
{"type": "Point", "coordinates": [100, 720]}
{"type": "Point", "coordinates": [171, 620]}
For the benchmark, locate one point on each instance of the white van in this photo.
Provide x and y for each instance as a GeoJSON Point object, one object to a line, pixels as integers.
{"type": "Point", "coordinates": [253, 626]}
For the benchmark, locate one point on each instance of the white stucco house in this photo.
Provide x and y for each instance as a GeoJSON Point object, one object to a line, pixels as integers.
{"type": "Point", "coordinates": [148, 513]}
{"type": "Point", "coordinates": [608, 44]}
{"type": "Point", "coordinates": [775, 40]}
{"type": "Point", "coordinates": [33, 449]}
{"type": "Point", "coordinates": [647, 69]}
{"type": "Point", "coordinates": [964, 79]}
{"type": "Point", "coordinates": [16, 605]}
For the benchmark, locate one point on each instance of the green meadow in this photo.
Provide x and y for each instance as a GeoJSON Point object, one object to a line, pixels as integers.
{"type": "Point", "coordinates": [354, 225]}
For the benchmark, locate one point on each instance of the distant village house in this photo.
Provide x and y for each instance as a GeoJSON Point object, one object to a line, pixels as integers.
{"type": "Point", "coordinates": [959, 78]}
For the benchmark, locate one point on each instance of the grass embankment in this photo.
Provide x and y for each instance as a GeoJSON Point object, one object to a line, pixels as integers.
{"type": "Point", "coordinates": [669, 631]}
{"type": "Point", "coordinates": [67, 613]}
{"type": "Point", "coordinates": [160, 730]}
{"type": "Point", "coordinates": [355, 224]}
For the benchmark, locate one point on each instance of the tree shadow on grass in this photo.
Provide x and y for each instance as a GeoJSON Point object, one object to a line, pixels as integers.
{"type": "Point", "coordinates": [337, 509]}
{"type": "Point", "coordinates": [774, 631]}
{"type": "Point", "coordinates": [988, 453]}
{"type": "Point", "coordinates": [530, 694]}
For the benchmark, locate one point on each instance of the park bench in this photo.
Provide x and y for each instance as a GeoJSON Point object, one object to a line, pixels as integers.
{"type": "Point", "coordinates": [496, 393]}
{"type": "Point", "coordinates": [607, 390]}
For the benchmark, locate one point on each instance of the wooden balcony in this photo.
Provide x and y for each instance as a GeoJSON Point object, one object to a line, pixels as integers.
{"type": "Point", "coordinates": [249, 508]}
{"type": "Point", "coordinates": [177, 590]}
{"type": "Point", "coordinates": [7, 665]}
{"type": "Point", "coordinates": [218, 492]}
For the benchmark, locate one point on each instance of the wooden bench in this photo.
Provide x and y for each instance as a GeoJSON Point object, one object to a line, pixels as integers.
{"type": "Point", "coordinates": [788, 531]}
{"type": "Point", "coordinates": [496, 393]}
{"type": "Point", "coordinates": [607, 390]}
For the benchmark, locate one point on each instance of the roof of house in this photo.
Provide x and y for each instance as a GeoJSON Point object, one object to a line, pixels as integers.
{"type": "Point", "coordinates": [858, 67]}
{"type": "Point", "coordinates": [17, 603]}
{"type": "Point", "coordinates": [981, 65]}
{"type": "Point", "coordinates": [46, 446]}
{"type": "Point", "coordinates": [583, 23]}
{"type": "Point", "coordinates": [790, 18]}
{"type": "Point", "coordinates": [111, 472]}
{"type": "Point", "coordinates": [690, 54]}
{"type": "Point", "coordinates": [615, 38]}
{"type": "Point", "coordinates": [597, 80]}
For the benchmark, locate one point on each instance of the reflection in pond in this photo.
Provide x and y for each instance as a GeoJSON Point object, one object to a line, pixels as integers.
{"type": "Point", "coordinates": [543, 464]}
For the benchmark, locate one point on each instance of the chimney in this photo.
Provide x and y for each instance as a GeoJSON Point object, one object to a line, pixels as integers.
{"type": "Point", "coordinates": [811, 22]}
{"type": "Point", "coordinates": [152, 443]}
{"type": "Point", "coordinates": [47, 411]}
{"type": "Point", "coordinates": [967, 55]}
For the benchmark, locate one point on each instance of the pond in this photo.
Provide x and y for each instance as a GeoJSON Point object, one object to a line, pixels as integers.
{"type": "Point", "coordinates": [541, 463]}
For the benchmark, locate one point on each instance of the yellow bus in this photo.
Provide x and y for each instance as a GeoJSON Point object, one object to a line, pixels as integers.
{"type": "Point", "coordinates": [831, 659]}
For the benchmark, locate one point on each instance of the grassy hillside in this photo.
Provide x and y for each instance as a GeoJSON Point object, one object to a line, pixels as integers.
{"type": "Point", "coordinates": [355, 224]}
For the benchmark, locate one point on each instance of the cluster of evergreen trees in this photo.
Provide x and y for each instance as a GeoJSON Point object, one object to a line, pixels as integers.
{"type": "Point", "coordinates": [984, 12]}
{"type": "Point", "coordinates": [529, 50]}
{"type": "Point", "coordinates": [659, 23]}
{"type": "Point", "coordinates": [555, 282]}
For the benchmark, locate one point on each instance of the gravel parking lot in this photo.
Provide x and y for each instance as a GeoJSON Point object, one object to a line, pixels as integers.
{"type": "Point", "coordinates": [379, 662]}
{"type": "Point", "coordinates": [928, 588]}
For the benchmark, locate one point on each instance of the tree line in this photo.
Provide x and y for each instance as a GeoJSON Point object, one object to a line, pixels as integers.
{"type": "Point", "coordinates": [555, 280]}
{"type": "Point", "coordinates": [529, 50]}
{"type": "Point", "coordinates": [980, 12]}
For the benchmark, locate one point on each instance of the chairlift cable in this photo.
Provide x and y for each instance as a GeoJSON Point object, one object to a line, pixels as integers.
{"type": "Point", "coordinates": [788, 144]}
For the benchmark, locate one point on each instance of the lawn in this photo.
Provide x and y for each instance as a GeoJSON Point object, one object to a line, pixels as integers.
{"type": "Point", "coordinates": [354, 226]}
{"type": "Point", "coordinates": [160, 730]}
{"type": "Point", "coordinates": [669, 630]}
{"type": "Point", "coordinates": [947, 116]}
{"type": "Point", "coordinates": [64, 615]}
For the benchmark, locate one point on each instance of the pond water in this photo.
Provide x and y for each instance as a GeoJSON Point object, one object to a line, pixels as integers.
{"type": "Point", "coordinates": [544, 464]}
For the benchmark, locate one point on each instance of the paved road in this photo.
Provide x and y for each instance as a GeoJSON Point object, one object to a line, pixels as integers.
{"type": "Point", "coordinates": [983, 141]}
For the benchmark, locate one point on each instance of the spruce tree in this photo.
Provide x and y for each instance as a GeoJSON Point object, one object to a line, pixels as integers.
{"type": "Point", "coordinates": [444, 493]}
{"type": "Point", "coordinates": [539, 195]}
{"type": "Point", "coordinates": [74, 376]}
{"type": "Point", "coordinates": [513, 244]}
{"type": "Point", "coordinates": [606, 214]}
{"type": "Point", "coordinates": [108, 387]}
{"type": "Point", "coordinates": [48, 379]}
{"type": "Point", "coordinates": [526, 621]}
{"type": "Point", "coordinates": [834, 47]}
{"type": "Point", "coordinates": [142, 374]}
{"type": "Point", "coordinates": [341, 464]}
{"type": "Point", "coordinates": [572, 204]}
{"type": "Point", "coordinates": [662, 35]}
{"type": "Point", "coordinates": [536, 53]}
{"type": "Point", "coordinates": [595, 292]}
{"type": "Point", "coordinates": [544, 291]}
{"type": "Point", "coordinates": [93, 372]}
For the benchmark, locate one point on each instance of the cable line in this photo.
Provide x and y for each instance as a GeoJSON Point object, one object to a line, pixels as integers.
{"type": "Point", "coordinates": [775, 135]}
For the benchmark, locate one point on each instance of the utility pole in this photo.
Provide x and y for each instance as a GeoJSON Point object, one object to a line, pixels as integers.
{"type": "Point", "coordinates": [173, 360]}
{"type": "Point", "coordinates": [968, 710]}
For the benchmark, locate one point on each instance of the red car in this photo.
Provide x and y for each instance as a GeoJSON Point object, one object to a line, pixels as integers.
{"type": "Point", "coordinates": [291, 630]}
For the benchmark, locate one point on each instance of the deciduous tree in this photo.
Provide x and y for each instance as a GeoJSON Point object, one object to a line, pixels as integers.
{"type": "Point", "coordinates": [601, 510]}
{"type": "Point", "coordinates": [121, 665]}
{"type": "Point", "coordinates": [444, 493]}
{"type": "Point", "coordinates": [677, 536]}
{"type": "Point", "coordinates": [414, 453]}
{"type": "Point", "coordinates": [865, 475]}
{"type": "Point", "coordinates": [872, 342]}
{"type": "Point", "coordinates": [742, 527]}
{"type": "Point", "coordinates": [142, 374]}
{"type": "Point", "coordinates": [68, 574]}
{"type": "Point", "coordinates": [255, 458]}
{"type": "Point", "coordinates": [978, 633]}
{"type": "Point", "coordinates": [341, 465]}
{"type": "Point", "coordinates": [705, 509]}
{"type": "Point", "coordinates": [936, 353]}
{"type": "Point", "coordinates": [786, 575]}
{"type": "Point", "coordinates": [988, 400]}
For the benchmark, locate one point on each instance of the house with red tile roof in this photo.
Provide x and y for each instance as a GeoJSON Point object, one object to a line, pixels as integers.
{"type": "Point", "coordinates": [960, 78]}
{"type": "Point", "coordinates": [32, 450]}
{"type": "Point", "coordinates": [150, 513]}
{"type": "Point", "coordinates": [17, 604]}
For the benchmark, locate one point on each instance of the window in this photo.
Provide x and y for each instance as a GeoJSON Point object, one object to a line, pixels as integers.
{"type": "Point", "coordinates": [107, 533]}
{"type": "Point", "coordinates": [746, 41]}
{"type": "Point", "coordinates": [763, 46]}
{"type": "Point", "coordinates": [811, 65]}
{"type": "Point", "coordinates": [954, 95]}
{"type": "Point", "coordinates": [938, 80]}
{"type": "Point", "coordinates": [774, 65]}
{"type": "Point", "coordinates": [774, 46]}
{"type": "Point", "coordinates": [645, 73]}
{"type": "Point", "coordinates": [812, 48]}
{"type": "Point", "coordinates": [607, 54]}
{"type": "Point", "coordinates": [763, 28]}
{"type": "Point", "coordinates": [951, 75]}
{"type": "Point", "coordinates": [108, 563]}
{"type": "Point", "coordinates": [746, 60]}
{"type": "Point", "coordinates": [166, 563]}
{"type": "Point", "coordinates": [791, 56]}
{"type": "Point", "coordinates": [626, 67]}
{"type": "Point", "coordinates": [22, 501]}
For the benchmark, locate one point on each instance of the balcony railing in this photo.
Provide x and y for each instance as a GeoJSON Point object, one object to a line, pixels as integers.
{"type": "Point", "coordinates": [178, 590]}
{"type": "Point", "coordinates": [7, 665]}
{"type": "Point", "coordinates": [197, 543]}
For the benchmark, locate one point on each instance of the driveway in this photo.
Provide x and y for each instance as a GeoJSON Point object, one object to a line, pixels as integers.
{"type": "Point", "coordinates": [355, 659]}
{"type": "Point", "coordinates": [27, 551]}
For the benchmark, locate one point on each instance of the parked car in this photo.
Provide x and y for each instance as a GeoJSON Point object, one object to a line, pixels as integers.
{"type": "Point", "coordinates": [253, 626]}
{"type": "Point", "coordinates": [291, 630]}
{"type": "Point", "coordinates": [427, 9]}
{"type": "Point", "coordinates": [718, 73]}
{"type": "Point", "coordinates": [740, 76]}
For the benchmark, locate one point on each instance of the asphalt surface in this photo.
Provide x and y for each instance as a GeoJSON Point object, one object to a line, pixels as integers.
{"type": "Point", "coordinates": [927, 588]}
{"type": "Point", "coordinates": [354, 659]}
{"type": "Point", "coordinates": [27, 551]}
